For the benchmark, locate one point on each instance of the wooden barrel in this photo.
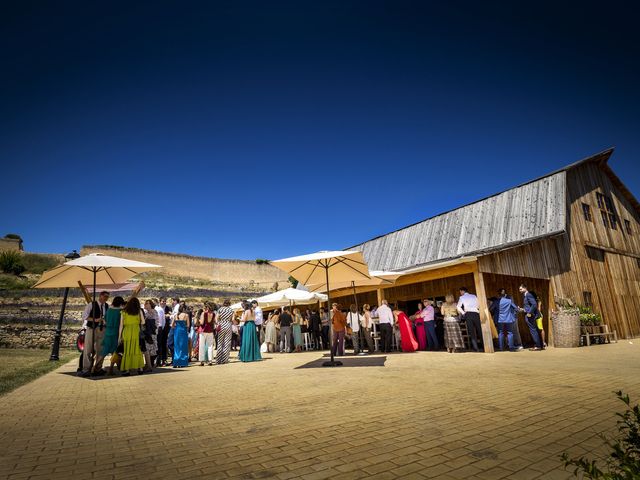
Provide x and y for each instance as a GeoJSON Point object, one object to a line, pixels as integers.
{"type": "Point", "coordinates": [566, 329]}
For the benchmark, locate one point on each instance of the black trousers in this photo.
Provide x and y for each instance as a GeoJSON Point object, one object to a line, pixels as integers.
{"type": "Point", "coordinates": [386, 334]}
{"type": "Point", "coordinates": [315, 335]}
{"type": "Point", "coordinates": [325, 336]}
{"type": "Point", "coordinates": [162, 344]}
{"type": "Point", "coordinates": [474, 330]}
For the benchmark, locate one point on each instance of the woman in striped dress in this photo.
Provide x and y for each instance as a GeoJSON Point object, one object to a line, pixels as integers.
{"type": "Point", "coordinates": [452, 333]}
{"type": "Point", "coordinates": [225, 317]}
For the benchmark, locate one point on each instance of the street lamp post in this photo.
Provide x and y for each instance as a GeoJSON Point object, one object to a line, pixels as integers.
{"type": "Point", "coordinates": [55, 350]}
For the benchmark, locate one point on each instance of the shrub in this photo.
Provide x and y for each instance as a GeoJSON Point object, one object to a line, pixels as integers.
{"type": "Point", "coordinates": [623, 462]}
{"type": "Point", "coordinates": [13, 236]}
{"type": "Point", "coordinates": [11, 262]}
{"type": "Point", "coordinates": [262, 261]}
{"type": "Point", "coordinates": [35, 263]}
{"type": "Point", "coordinates": [293, 281]}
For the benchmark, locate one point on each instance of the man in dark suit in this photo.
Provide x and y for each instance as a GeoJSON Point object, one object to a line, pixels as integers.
{"type": "Point", "coordinates": [531, 313]}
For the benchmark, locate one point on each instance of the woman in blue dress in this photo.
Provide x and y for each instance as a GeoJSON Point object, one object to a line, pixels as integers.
{"type": "Point", "coordinates": [250, 348]}
{"type": "Point", "coordinates": [180, 328]}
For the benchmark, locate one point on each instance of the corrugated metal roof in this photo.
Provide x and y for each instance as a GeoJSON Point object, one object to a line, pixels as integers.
{"type": "Point", "coordinates": [525, 213]}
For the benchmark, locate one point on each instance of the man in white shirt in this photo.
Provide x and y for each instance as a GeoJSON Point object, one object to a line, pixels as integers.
{"type": "Point", "coordinates": [162, 333]}
{"type": "Point", "coordinates": [257, 311]}
{"type": "Point", "coordinates": [468, 309]}
{"type": "Point", "coordinates": [93, 321]}
{"type": "Point", "coordinates": [386, 321]}
{"type": "Point", "coordinates": [353, 321]}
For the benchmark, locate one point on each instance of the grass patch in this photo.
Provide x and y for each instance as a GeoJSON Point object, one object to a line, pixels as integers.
{"type": "Point", "coordinates": [21, 366]}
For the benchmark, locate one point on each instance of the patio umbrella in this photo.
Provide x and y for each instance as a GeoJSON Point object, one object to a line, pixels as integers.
{"type": "Point", "coordinates": [341, 265]}
{"type": "Point", "coordinates": [288, 295]}
{"type": "Point", "coordinates": [93, 269]}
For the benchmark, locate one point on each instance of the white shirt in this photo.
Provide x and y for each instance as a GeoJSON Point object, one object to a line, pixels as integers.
{"type": "Point", "coordinates": [87, 312]}
{"type": "Point", "coordinates": [468, 303]}
{"type": "Point", "coordinates": [258, 314]}
{"type": "Point", "coordinates": [385, 315]}
{"type": "Point", "coordinates": [354, 320]}
{"type": "Point", "coordinates": [161, 319]}
{"type": "Point", "coordinates": [175, 311]}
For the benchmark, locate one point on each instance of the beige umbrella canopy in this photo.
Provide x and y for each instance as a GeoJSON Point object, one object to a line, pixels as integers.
{"type": "Point", "coordinates": [341, 266]}
{"type": "Point", "coordinates": [378, 277]}
{"type": "Point", "coordinates": [93, 269]}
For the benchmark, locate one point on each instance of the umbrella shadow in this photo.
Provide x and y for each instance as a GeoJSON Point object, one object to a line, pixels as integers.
{"type": "Point", "coordinates": [368, 361]}
{"type": "Point", "coordinates": [119, 375]}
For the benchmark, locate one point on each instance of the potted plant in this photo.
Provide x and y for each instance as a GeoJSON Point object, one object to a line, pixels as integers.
{"type": "Point", "coordinates": [566, 324]}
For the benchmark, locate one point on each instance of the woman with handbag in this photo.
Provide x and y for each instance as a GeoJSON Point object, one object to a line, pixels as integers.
{"type": "Point", "coordinates": [205, 337]}
{"type": "Point", "coordinates": [129, 335]}
{"type": "Point", "coordinates": [150, 329]}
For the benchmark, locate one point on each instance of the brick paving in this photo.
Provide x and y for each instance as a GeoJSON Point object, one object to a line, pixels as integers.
{"type": "Point", "coordinates": [422, 415]}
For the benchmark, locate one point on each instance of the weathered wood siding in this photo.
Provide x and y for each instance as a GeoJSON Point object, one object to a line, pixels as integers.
{"type": "Point", "coordinates": [522, 214]}
{"type": "Point", "coordinates": [611, 274]}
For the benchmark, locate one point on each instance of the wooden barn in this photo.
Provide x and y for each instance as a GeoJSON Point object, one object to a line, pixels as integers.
{"type": "Point", "coordinates": [572, 235]}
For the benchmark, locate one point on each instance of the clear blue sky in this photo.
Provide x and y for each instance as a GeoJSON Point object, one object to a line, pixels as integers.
{"type": "Point", "coordinates": [269, 129]}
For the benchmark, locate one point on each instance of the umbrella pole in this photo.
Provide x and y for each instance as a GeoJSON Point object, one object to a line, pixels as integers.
{"type": "Point", "coordinates": [93, 337]}
{"type": "Point", "coordinates": [355, 299]}
{"type": "Point", "coordinates": [331, 363]}
{"type": "Point", "coordinates": [55, 349]}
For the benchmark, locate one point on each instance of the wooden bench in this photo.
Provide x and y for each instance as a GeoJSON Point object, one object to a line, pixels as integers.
{"type": "Point", "coordinates": [601, 331]}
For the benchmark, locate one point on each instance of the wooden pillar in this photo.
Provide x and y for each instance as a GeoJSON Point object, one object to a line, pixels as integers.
{"type": "Point", "coordinates": [551, 306]}
{"type": "Point", "coordinates": [380, 294]}
{"type": "Point", "coordinates": [485, 317]}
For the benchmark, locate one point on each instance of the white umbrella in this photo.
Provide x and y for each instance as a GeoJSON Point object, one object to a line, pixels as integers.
{"type": "Point", "coordinates": [93, 269]}
{"type": "Point", "coordinates": [344, 265]}
{"type": "Point", "coordinates": [288, 295]}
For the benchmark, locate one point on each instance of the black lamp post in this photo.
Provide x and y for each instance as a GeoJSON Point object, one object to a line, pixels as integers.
{"type": "Point", "coordinates": [55, 350]}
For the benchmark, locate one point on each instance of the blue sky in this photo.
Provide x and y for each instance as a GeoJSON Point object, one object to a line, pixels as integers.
{"type": "Point", "coordinates": [270, 129]}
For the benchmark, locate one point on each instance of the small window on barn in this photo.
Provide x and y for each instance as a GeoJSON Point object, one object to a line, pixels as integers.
{"type": "Point", "coordinates": [607, 211]}
{"type": "Point", "coordinates": [586, 211]}
{"type": "Point", "coordinates": [596, 254]}
{"type": "Point", "coordinates": [627, 227]}
{"type": "Point", "coordinates": [587, 299]}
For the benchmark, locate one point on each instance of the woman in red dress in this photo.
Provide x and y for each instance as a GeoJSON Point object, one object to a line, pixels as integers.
{"type": "Point", "coordinates": [421, 333]}
{"type": "Point", "coordinates": [407, 340]}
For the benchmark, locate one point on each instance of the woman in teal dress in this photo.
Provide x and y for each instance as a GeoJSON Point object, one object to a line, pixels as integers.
{"type": "Point", "coordinates": [129, 335]}
{"type": "Point", "coordinates": [112, 329]}
{"type": "Point", "coordinates": [250, 348]}
{"type": "Point", "coordinates": [180, 328]}
{"type": "Point", "coordinates": [297, 330]}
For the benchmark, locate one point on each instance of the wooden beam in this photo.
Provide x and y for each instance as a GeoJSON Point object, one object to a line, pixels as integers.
{"type": "Point", "coordinates": [438, 273]}
{"type": "Point", "coordinates": [551, 306]}
{"type": "Point", "coordinates": [485, 317]}
{"type": "Point", "coordinates": [380, 293]}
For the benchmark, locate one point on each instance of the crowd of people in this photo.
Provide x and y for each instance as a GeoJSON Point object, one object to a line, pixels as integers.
{"type": "Point", "coordinates": [139, 337]}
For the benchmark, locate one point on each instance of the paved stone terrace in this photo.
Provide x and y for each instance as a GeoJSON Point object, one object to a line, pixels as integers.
{"type": "Point", "coordinates": [422, 415]}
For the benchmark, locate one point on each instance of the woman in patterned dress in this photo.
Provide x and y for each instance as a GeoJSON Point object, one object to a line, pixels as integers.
{"type": "Point", "coordinates": [225, 317]}
{"type": "Point", "coordinates": [452, 332]}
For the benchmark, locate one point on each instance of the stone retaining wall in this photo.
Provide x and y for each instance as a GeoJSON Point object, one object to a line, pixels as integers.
{"type": "Point", "coordinates": [36, 336]}
{"type": "Point", "coordinates": [213, 269]}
